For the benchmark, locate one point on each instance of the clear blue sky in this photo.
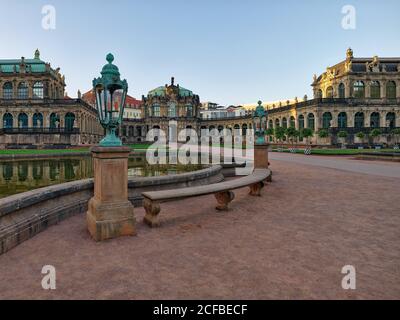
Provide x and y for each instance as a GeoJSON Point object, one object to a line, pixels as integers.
{"type": "Point", "coordinates": [227, 51]}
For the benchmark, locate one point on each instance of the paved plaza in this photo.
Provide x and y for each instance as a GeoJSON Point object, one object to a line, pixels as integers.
{"type": "Point", "coordinates": [317, 216]}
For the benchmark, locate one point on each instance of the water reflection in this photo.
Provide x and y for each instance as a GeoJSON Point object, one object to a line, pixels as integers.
{"type": "Point", "coordinates": [22, 175]}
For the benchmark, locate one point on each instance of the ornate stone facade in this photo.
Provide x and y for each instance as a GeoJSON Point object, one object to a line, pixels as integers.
{"type": "Point", "coordinates": [35, 111]}
{"type": "Point", "coordinates": [356, 95]}
{"type": "Point", "coordinates": [172, 102]}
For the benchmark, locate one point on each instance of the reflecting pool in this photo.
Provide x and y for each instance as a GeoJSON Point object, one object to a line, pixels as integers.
{"type": "Point", "coordinates": [23, 175]}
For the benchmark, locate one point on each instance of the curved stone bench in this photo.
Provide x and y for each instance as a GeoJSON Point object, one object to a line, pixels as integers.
{"type": "Point", "coordinates": [222, 191]}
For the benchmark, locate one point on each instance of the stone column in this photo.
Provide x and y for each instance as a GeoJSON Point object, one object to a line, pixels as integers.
{"type": "Point", "coordinates": [261, 156]}
{"type": "Point", "coordinates": [110, 213]}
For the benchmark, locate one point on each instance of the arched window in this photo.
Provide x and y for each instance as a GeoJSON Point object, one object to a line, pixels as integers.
{"type": "Point", "coordinates": [292, 122]}
{"type": "Point", "coordinates": [244, 129]}
{"type": "Point", "coordinates": [69, 122]}
{"type": "Point", "coordinates": [277, 123]}
{"type": "Point", "coordinates": [391, 90]}
{"type": "Point", "coordinates": [270, 124]}
{"type": "Point", "coordinates": [172, 110]}
{"type": "Point", "coordinates": [38, 91]}
{"type": "Point", "coordinates": [8, 121]}
{"type": "Point", "coordinates": [329, 92]}
{"type": "Point", "coordinates": [284, 123]}
{"type": "Point", "coordinates": [359, 120]}
{"type": "Point", "coordinates": [311, 121]}
{"type": "Point", "coordinates": [55, 121]}
{"type": "Point", "coordinates": [342, 120]}
{"type": "Point", "coordinates": [359, 90]}
{"type": "Point", "coordinates": [156, 110]}
{"type": "Point", "coordinates": [318, 94]}
{"type": "Point", "coordinates": [342, 91]}
{"type": "Point", "coordinates": [391, 120]}
{"type": "Point", "coordinates": [37, 120]}
{"type": "Point", "coordinates": [22, 120]}
{"type": "Point", "coordinates": [301, 122]}
{"type": "Point", "coordinates": [189, 110]}
{"type": "Point", "coordinates": [375, 120]}
{"type": "Point", "coordinates": [326, 120]}
{"type": "Point", "coordinates": [22, 92]}
{"type": "Point", "coordinates": [375, 90]}
{"type": "Point", "coordinates": [8, 90]}
{"type": "Point", "coordinates": [220, 128]}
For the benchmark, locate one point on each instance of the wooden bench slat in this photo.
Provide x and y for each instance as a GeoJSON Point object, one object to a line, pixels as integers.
{"type": "Point", "coordinates": [257, 176]}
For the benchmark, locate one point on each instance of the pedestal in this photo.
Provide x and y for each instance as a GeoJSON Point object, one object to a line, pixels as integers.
{"type": "Point", "coordinates": [110, 213]}
{"type": "Point", "coordinates": [261, 156]}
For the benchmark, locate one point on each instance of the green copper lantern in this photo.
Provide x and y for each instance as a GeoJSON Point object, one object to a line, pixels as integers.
{"type": "Point", "coordinates": [111, 94]}
{"type": "Point", "coordinates": [259, 123]}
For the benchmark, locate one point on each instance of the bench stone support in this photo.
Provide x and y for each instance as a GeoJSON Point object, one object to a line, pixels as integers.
{"type": "Point", "coordinates": [255, 189]}
{"type": "Point", "coordinates": [152, 210]}
{"type": "Point", "coordinates": [223, 199]}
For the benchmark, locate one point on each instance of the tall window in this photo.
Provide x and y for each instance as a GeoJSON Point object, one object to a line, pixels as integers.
{"type": "Point", "coordinates": [391, 90]}
{"type": "Point", "coordinates": [189, 110]}
{"type": "Point", "coordinates": [69, 122]}
{"type": "Point", "coordinates": [301, 122]}
{"type": "Point", "coordinates": [375, 120]}
{"type": "Point", "coordinates": [22, 92]}
{"type": "Point", "coordinates": [22, 120]}
{"type": "Point", "coordinates": [38, 92]}
{"type": "Point", "coordinates": [8, 120]}
{"type": "Point", "coordinates": [342, 91]}
{"type": "Point", "coordinates": [54, 121]}
{"type": "Point", "coordinates": [277, 123]}
{"type": "Point", "coordinates": [329, 92]}
{"type": "Point", "coordinates": [342, 120]}
{"type": "Point", "coordinates": [172, 110]}
{"type": "Point", "coordinates": [270, 124]}
{"type": "Point", "coordinates": [37, 120]}
{"type": "Point", "coordinates": [359, 90]}
{"type": "Point", "coordinates": [391, 120]}
{"type": "Point", "coordinates": [292, 122]}
{"type": "Point", "coordinates": [375, 90]}
{"type": "Point", "coordinates": [284, 123]}
{"type": "Point", "coordinates": [326, 120]}
{"type": "Point", "coordinates": [319, 94]}
{"type": "Point", "coordinates": [359, 120]}
{"type": "Point", "coordinates": [311, 121]}
{"type": "Point", "coordinates": [156, 111]}
{"type": "Point", "coordinates": [8, 90]}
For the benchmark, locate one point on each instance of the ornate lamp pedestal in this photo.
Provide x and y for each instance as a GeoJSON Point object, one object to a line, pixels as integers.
{"type": "Point", "coordinates": [110, 213]}
{"type": "Point", "coordinates": [261, 156]}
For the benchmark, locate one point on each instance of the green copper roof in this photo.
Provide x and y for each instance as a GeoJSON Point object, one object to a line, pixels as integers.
{"type": "Point", "coordinates": [160, 91]}
{"type": "Point", "coordinates": [36, 65]}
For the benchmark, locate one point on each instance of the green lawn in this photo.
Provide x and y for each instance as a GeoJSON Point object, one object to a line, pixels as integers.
{"type": "Point", "coordinates": [332, 152]}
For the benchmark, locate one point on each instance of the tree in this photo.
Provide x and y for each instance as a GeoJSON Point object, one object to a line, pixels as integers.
{"type": "Point", "coordinates": [342, 134]}
{"type": "Point", "coordinates": [279, 133]}
{"type": "Point", "coordinates": [375, 133]}
{"type": "Point", "coordinates": [306, 133]}
{"type": "Point", "coordinates": [360, 135]}
{"type": "Point", "coordinates": [292, 133]}
{"type": "Point", "coordinates": [323, 133]}
{"type": "Point", "coordinates": [396, 134]}
{"type": "Point", "coordinates": [269, 132]}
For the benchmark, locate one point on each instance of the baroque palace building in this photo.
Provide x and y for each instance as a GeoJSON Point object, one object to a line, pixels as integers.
{"type": "Point", "coordinates": [35, 111]}
{"type": "Point", "coordinates": [175, 103]}
{"type": "Point", "coordinates": [355, 95]}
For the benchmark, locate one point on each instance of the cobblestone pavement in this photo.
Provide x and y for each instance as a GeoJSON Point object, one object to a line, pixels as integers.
{"type": "Point", "coordinates": [290, 243]}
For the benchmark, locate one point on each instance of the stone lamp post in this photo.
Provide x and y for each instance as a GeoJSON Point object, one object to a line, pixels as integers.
{"type": "Point", "coordinates": [260, 116]}
{"type": "Point", "coordinates": [110, 213]}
